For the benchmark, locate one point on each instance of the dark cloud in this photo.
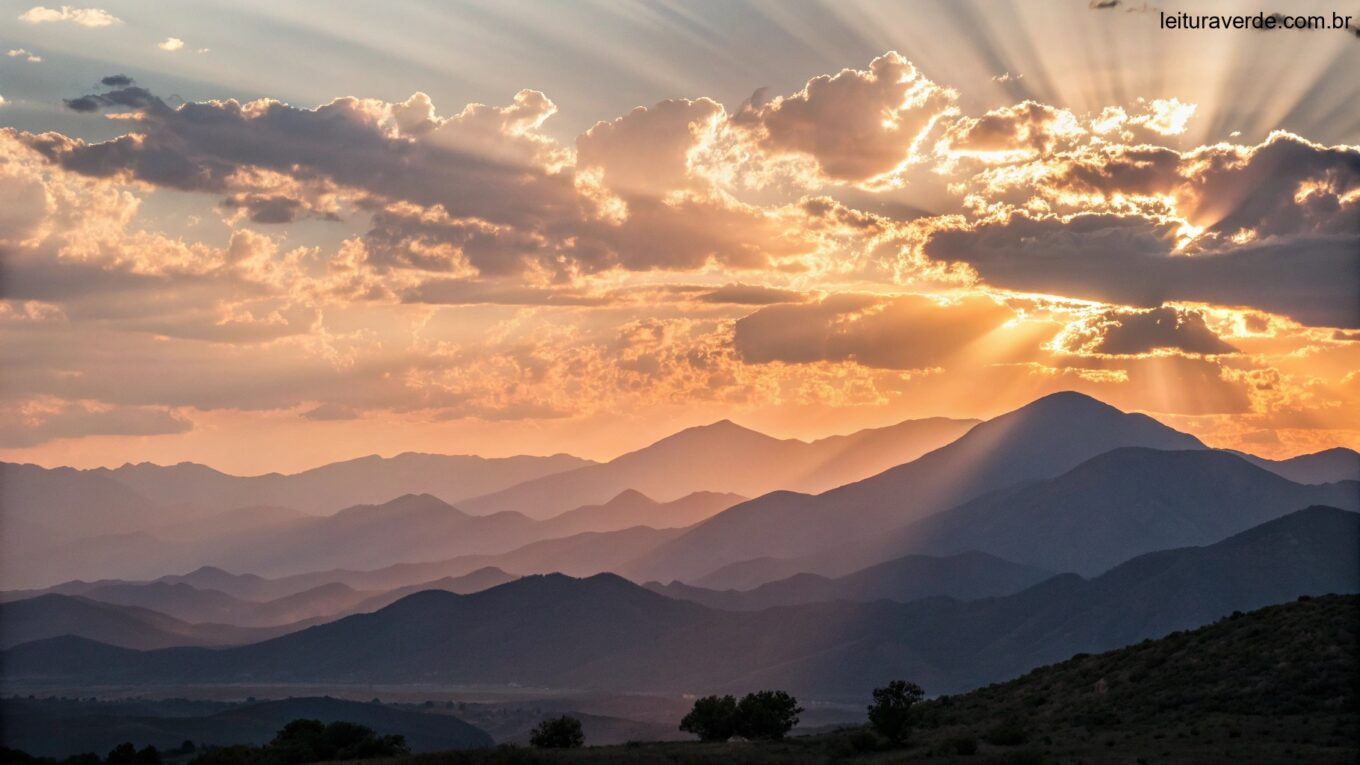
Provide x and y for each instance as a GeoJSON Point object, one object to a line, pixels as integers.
{"type": "Point", "coordinates": [330, 413]}
{"type": "Point", "coordinates": [1131, 260]}
{"type": "Point", "coordinates": [1125, 333]}
{"type": "Point", "coordinates": [76, 420]}
{"type": "Point", "coordinates": [116, 81]}
{"type": "Point", "coordinates": [472, 292]}
{"type": "Point", "coordinates": [751, 294]}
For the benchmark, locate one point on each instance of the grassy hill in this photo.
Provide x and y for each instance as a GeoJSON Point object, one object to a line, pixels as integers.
{"type": "Point", "coordinates": [1276, 685]}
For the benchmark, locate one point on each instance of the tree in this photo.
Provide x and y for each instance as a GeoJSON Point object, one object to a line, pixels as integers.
{"type": "Point", "coordinates": [767, 714]}
{"type": "Point", "coordinates": [890, 714]}
{"type": "Point", "coordinates": [713, 718]}
{"type": "Point", "coordinates": [303, 741]}
{"type": "Point", "coordinates": [558, 733]}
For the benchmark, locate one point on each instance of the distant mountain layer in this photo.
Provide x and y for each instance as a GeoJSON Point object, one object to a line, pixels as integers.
{"type": "Point", "coordinates": [204, 610]}
{"type": "Point", "coordinates": [410, 528]}
{"type": "Point", "coordinates": [725, 457]}
{"type": "Point", "coordinates": [1327, 466]}
{"type": "Point", "coordinates": [604, 632]}
{"type": "Point", "coordinates": [1120, 504]}
{"type": "Point", "coordinates": [39, 729]}
{"type": "Point", "coordinates": [1040, 440]}
{"type": "Point", "coordinates": [966, 576]}
{"type": "Point", "coordinates": [49, 616]}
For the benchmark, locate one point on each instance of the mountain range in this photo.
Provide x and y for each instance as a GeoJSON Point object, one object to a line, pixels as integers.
{"type": "Point", "coordinates": [606, 632]}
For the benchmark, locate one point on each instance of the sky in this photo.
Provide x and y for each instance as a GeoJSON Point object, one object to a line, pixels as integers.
{"type": "Point", "coordinates": [266, 236]}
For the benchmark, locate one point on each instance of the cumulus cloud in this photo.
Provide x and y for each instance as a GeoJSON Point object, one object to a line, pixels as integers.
{"type": "Point", "coordinates": [170, 44]}
{"type": "Point", "coordinates": [85, 17]}
{"type": "Point", "coordinates": [26, 55]}
{"type": "Point", "coordinates": [856, 125]}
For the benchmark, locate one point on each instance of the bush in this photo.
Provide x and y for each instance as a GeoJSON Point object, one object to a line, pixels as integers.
{"type": "Point", "coordinates": [766, 715]}
{"type": "Point", "coordinates": [558, 733]}
{"type": "Point", "coordinates": [713, 718]}
{"type": "Point", "coordinates": [964, 745]}
{"type": "Point", "coordinates": [312, 741]}
{"type": "Point", "coordinates": [890, 714]}
{"type": "Point", "coordinates": [1006, 734]}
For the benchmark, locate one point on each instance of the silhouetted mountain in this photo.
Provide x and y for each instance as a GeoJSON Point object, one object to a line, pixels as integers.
{"type": "Point", "coordinates": [633, 508]}
{"type": "Point", "coordinates": [1120, 504]}
{"type": "Point", "coordinates": [1327, 466]}
{"type": "Point", "coordinates": [366, 480]}
{"type": "Point", "coordinates": [1040, 440]}
{"type": "Point", "coordinates": [49, 616]}
{"type": "Point", "coordinates": [61, 730]}
{"type": "Point", "coordinates": [966, 576]}
{"type": "Point", "coordinates": [604, 632]}
{"type": "Point", "coordinates": [229, 523]}
{"type": "Point", "coordinates": [476, 581]}
{"type": "Point", "coordinates": [725, 457]}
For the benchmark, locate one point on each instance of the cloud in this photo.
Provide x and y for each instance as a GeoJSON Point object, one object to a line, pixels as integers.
{"type": "Point", "coordinates": [1124, 332]}
{"type": "Point", "coordinates": [85, 17]}
{"type": "Point", "coordinates": [910, 332]}
{"type": "Point", "coordinates": [116, 81]}
{"type": "Point", "coordinates": [171, 44]}
{"type": "Point", "coordinates": [330, 413]}
{"type": "Point", "coordinates": [1131, 260]}
{"type": "Point", "coordinates": [28, 56]}
{"type": "Point", "coordinates": [45, 419]}
{"type": "Point", "coordinates": [647, 150]}
{"type": "Point", "coordinates": [857, 125]}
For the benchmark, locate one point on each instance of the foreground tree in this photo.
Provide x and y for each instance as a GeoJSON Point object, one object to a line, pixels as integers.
{"type": "Point", "coordinates": [766, 715]}
{"type": "Point", "coordinates": [312, 741]}
{"type": "Point", "coordinates": [713, 718]}
{"type": "Point", "coordinates": [558, 733]}
{"type": "Point", "coordinates": [890, 714]}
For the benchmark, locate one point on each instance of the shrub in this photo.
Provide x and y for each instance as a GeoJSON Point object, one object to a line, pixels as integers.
{"type": "Point", "coordinates": [766, 715]}
{"type": "Point", "coordinates": [890, 714]}
{"type": "Point", "coordinates": [713, 718]}
{"type": "Point", "coordinates": [558, 733]}
{"type": "Point", "coordinates": [964, 745]}
{"type": "Point", "coordinates": [1006, 734]}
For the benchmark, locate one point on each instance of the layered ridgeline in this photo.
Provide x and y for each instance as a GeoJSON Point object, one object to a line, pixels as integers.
{"type": "Point", "coordinates": [1043, 440]}
{"type": "Point", "coordinates": [727, 457]}
{"type": "Point", "coordinates": [209, 616]}
{"type": "Point", "coordinates": [605, 632]}
{"type": "Point", "coordinates": [409, 528]}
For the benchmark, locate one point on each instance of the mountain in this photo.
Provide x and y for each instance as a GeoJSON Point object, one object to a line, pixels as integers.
{"type": "Point", "coordinates": [476, 581]}
{"type": "Point", "coordinates": [325, 489]}
{"type": "Point", "coordinates": [49, 616]}
{"type": "Point", "coordinates": [1043, 439]}
{"type": "Point", "coordinates": [725, 457]}
{"type": "Point", "coordinates": [1117, 505]}
{"type": "Point", "coordinates": [604, 632]}
{"type": "Point", "coordinates": [1327, 466]}
{"type": "Point", "coordinates": [46, 728]}
{"type": "Point", "coordinates": [633, 508]}
{"type": "Point", "coordinates": [966, 576]}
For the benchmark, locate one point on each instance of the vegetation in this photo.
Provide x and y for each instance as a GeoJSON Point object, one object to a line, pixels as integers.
{"type": "Point", "coordinates": [713, 718]}
{"type": "Point", "coordinates": [766, 715]}
{"type": "Point", "coordinates": [891, 713]}
{"type": "Point", "coordinates": [558, 733]}
{"type": "Point", "coordinates": [1277, 685]}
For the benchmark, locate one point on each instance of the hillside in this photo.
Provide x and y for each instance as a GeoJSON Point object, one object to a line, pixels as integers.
{"type": "Point", "coordinates": [1261, 688]}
